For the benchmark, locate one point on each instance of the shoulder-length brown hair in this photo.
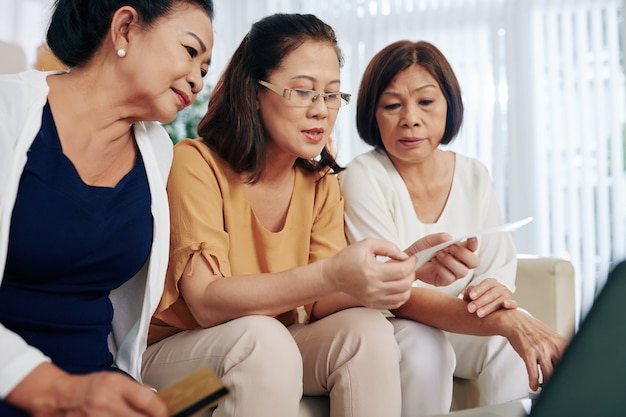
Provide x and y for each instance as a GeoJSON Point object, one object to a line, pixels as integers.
{"type": "Point", "coordinates": [232, 126]}
{"type": "Point", "coordinates": [382, 69]}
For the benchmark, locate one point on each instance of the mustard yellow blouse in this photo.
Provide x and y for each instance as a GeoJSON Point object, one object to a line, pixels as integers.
{"type": "Point", "coordinates": [211, 217]}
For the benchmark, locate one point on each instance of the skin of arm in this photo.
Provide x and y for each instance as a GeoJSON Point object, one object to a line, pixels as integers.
{"type": "Point", "coordinates": [446, 267]}
{"type": "Point", "coordinates": [536, 343]}
{"type": "Point", "coordinates": [106, 394]}
{"type": "Point", "coordinates": [354, 273]}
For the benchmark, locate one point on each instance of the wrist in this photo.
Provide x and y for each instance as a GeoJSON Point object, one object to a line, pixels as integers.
{"type": "Point", "coordinates": [325, 271]}
{"type": "Point", "coordinates": [42, 391]}
{"type": "Point", "coordinates": [504, 322]}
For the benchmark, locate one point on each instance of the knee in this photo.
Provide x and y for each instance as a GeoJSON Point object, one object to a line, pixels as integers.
{"type": "Point", "coordinates": [367, 329]}
{"type": "Point", "coordinates": [262, 363]}
{"type": "Point", "coordinates": [424, 348]}
{"type": "Point", "coordinates": [266, 343]}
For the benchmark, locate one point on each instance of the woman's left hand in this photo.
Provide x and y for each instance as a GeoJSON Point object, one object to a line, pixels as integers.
{"type": "Point", "coordinates": [488, 296]}
{"type": "Point", "coordinates": [448, 264]}
{"type": "Point", "coordinates": [537, 344]}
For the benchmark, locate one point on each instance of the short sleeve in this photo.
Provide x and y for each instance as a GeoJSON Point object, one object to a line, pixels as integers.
{"type": "Point", "coordinates": [197, 227]}
{"type": "Point", "coordinates": [327, 234]}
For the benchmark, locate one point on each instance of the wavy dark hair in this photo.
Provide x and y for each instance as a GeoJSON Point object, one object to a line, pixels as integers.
{"type": "Point", "coordinates": [78, 27]}
{"type": "Point", "coordinates": [382, 69]}
{"type": "Point", "coordinates": [232, 126]}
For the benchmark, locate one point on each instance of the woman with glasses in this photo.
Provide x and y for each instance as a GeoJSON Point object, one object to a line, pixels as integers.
{"type": "Point", "coordinates": [257, 231]}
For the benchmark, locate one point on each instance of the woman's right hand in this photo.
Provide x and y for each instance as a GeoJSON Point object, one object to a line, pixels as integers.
{"type": "Point", "coordinates": [357, 272]}
{"type": "Point", "coordinates": [50, 392]}
{"type": "Point", "coordinates": [447, 265]}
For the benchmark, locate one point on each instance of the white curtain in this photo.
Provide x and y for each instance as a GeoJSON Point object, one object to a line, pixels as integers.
{"type": "Point", "coordinates": [544, 88]}
{"type": "Point", "coordinates": [24, 22]}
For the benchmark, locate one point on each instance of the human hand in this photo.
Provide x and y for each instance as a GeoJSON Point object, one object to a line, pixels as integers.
{"type": "Point", "coordinates": [100, 394]}
{"type": "Point", "coordinates": [537, 344]}
{"type": "Point", "coordinates": [448, 264]}
{"type": "Point", "coordinates": [356, 271]}
{"type": "Point", "coordinates": [113, 394]}
{"type": "Point", "coordinates": [488, 296]}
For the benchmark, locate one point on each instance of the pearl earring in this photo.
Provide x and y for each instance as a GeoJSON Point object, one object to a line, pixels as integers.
{"type": "Point", "coordinates": [121, 52]}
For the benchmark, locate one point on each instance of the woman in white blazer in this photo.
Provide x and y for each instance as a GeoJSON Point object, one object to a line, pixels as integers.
{"type": "Point", "coordinates": [84, 220]}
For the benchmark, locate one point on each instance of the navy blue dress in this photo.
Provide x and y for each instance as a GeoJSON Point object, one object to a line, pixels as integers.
{"type": "Point", "coordinates": [70, 244]}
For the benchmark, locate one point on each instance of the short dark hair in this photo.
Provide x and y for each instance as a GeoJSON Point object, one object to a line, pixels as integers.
{"type": "Point", "coordinates": [382, 69]}
{"type": "Point", "coordinates": [232, 126]}
{"type": "Point", "coordinates": [78, 27]}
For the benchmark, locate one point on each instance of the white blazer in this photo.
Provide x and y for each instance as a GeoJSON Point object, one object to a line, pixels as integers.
{"type": "Point", "coordinates": [22, 98]}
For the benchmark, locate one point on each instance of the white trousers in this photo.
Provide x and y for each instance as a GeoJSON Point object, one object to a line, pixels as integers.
{"type": "Point", "coordinates": [430, 358]}
{"type": "Point", "coordinates": [352, 356]}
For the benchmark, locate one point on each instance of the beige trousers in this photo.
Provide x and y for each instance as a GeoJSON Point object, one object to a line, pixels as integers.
{"type": "Point", "coordinates": [351, 355]}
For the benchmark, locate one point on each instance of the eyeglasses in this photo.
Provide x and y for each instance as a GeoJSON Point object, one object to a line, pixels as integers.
{"type": "Point", "coordinates": [305, 98]}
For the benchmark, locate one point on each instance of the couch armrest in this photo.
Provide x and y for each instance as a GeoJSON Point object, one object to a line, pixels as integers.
{"type": "Point", "coordinates": [546, 288]}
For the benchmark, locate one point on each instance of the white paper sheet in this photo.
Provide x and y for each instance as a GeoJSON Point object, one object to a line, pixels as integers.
{"type": "Point", "coordinates": [427, 254]}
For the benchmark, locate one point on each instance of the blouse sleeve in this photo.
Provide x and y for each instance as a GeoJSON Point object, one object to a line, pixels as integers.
{"type": "Point", "coordinates": [327, 232]}
{"type": "Point", "coordinates": [197, 227]}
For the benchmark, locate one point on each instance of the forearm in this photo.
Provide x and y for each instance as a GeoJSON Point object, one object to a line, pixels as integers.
{"type": "Point", "coordinates": [215, 300]}
{"type": "Point", "coordinates": [50, 391]}
{"type": "Point", "coordinates": [449, 313]}
{"type": "Point", "coordinates": [331, 304]}
{"type": "Point", "coordinates": [354, 270]}
{"type": "Point", "coordinates": [41, 391]}
{"type": "Point", "coordinates": [536, 343]}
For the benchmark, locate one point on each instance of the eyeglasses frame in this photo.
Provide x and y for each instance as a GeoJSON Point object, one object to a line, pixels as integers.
{"type": "Point", "coordinates": [286, 93]}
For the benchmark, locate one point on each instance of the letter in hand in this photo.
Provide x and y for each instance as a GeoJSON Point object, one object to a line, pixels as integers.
{"type": "Point", "coordinates": [442, 260]}
{"type": "Point", "coordinates": [427, 253]}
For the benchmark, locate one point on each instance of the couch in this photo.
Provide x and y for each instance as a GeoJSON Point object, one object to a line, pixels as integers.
{"type": "Point", "coordinates": [545, 288]}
